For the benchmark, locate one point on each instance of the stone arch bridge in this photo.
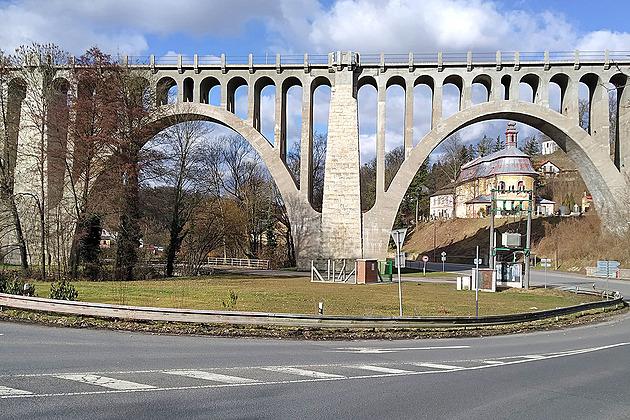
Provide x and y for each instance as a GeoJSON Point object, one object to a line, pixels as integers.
{"type": "Point", "coordinates": [341, 230]}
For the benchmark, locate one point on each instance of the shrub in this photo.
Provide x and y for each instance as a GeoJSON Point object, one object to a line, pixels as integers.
{"type": "Point", "coordinates": [231, 300]}
{"type": "Point", "coordinates": [13, 285]}
{"type": "Point", "coordinates": [63, 290]}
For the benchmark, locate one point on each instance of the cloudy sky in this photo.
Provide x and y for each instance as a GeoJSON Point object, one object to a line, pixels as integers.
{"type": "Point", "coordinates": [240, 27]}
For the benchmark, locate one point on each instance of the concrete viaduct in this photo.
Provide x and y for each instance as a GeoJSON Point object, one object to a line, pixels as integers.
{"type": "Point", "coordinates": [341, 230]}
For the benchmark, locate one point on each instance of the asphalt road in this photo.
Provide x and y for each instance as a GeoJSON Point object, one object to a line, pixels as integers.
{"type": "Point", "coordinates": [59, 373]}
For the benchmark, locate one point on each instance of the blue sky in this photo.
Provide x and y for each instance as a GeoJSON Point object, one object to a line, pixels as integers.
{"type": "Point", "coordinates": [240, 27]}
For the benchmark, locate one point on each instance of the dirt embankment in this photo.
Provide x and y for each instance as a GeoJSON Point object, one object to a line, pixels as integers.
{"type": "Point", "coordinates": [573, 242]}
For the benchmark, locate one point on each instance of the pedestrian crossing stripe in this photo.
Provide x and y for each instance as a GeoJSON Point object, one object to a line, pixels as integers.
{"type": "Point", "coordinates": [304, 372]}
{"type": "Point", "coordinates": [104, 381]}
{"type": "Point", "coordinates": [209, 376]}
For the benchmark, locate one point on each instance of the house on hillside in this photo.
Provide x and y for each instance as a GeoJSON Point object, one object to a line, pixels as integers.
{"type": "Point", "coordinates": [442, 204]}
{"type": "Point", "coordinates": [545, 207]}
{"type": "Point", "coordinates": [548, 147]}
{"type": "Point", "coordinates": [508, 171]}
{"type": "Point", "coordinates": [548, 169]}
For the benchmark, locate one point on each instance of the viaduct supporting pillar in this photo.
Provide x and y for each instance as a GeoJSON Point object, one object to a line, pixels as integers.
{"type": "Point", "coordinates": [341, 207]}
{"type": "Point", "coordinates": [623, 131]}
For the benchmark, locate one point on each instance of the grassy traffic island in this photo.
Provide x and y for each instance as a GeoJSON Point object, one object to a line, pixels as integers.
{"type": "Point", "coordinates": [299, 295]}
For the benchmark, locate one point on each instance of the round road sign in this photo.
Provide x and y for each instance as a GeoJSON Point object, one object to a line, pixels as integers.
{"type": "Point", "coordinates": [425, 258]}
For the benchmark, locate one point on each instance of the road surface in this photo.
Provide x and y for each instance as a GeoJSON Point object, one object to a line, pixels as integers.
{"type": "Point", "coordinates": [58, 373]}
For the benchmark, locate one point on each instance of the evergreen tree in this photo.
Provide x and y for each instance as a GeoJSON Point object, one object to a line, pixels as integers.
{"type": "Point", "coordinates": [498, 145]}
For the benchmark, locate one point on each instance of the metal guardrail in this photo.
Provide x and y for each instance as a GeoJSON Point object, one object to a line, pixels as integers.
{"type": "Point", "coordinates": [296, 320]}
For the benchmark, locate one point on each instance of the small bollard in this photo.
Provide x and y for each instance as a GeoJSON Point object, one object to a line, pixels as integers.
{"type": "Point", "coordinates": [320, 308]}
{"type": "Point", "coordinates": [27, 289]}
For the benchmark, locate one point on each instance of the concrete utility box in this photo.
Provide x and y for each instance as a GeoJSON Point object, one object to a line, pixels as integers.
{"type": "Point", "coordinates": [511, 240]}
{"type": "Point", "coordinates": [367, 271]}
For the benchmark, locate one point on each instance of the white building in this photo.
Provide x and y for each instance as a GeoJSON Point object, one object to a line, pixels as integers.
{"type": "Point", "coordinates": [549, 146]}
{"type": "Point", "coordinates": [442, 204]}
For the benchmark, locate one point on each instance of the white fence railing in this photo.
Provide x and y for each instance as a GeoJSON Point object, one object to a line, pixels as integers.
{"type": "Point", "coordinates": [239, 262]}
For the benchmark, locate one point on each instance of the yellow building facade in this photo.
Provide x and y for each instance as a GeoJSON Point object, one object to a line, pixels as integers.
{"type": "Point", "coordinates": [509, 172]}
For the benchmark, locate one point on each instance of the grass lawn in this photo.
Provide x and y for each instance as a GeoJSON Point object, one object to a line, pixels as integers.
{"type": "Point", "coordinates": [299, 295]}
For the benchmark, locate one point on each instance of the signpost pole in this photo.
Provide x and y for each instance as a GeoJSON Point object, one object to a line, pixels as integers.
{"type": "Point", "coordinates": [477, 262]}
{"type": "Point", "coordinates": [399, 236]}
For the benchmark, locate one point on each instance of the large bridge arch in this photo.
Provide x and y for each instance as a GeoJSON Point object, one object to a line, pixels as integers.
{"type": "Point", "coordinates": [606, 184]}
{"type": "Point", "coordinates": [305, 221]}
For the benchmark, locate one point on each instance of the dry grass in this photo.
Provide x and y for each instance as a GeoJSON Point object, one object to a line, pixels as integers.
{"type": "Point", "coordinates": [299, 295]}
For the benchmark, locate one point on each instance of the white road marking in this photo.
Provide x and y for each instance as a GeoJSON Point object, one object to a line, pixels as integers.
{"type": "Point", "coordinates": [533, 356]}
{"type": "Point", "coordinates": [309, 375]}
{"type": "Point", "coordinates": [382, 369]}
{"type": "Point", "coordinates": [304, 372]}
{"type": "Point", "coordinates": [209, 376]}
{"type": "Point", "coordinates": [439, 366]}
{"type": "Point", "coordinates": [392, 350]}
{"type": "Point", "coordinates": [493, 362]}
{"type": "Point", "coordinates": [6, 391]}
{"type": "Point", "coordinates": [104, 381]}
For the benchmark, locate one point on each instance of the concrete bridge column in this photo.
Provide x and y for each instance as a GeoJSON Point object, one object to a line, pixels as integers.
{"type": "Point", "coordinates": [436, 113]}
{"type": "Point", "coordinates": [408, 136]}
{"type": "Point", "coordinates": [279, 129]}
{"type": "Point", "coordinates": [341, 207]}
{"type": "Point", "coordinates": [380, 137]}
{"type": "Point", "coordinates": [542, 93]}
{"type": "Point", "coordinates": [495, 89]}
{"type": "Point", "coordinates": [466, 95]}
{"type": "Point", "coordinates": [623, 131]}
{"type": "Point", "coordinates": [514, 90]}
{"type": "Point", "coordinates": [569, 105]}
{"type": "Point", "coordinates": [599, 118]}
{"type": "Point", "coordinates": [224, 95]}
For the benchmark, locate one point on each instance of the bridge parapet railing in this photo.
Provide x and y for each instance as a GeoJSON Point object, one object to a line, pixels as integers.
{"type": "Point", "coordinates": [423, 58]}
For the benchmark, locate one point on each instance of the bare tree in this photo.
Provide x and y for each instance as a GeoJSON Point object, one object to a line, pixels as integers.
{"type": "Point", "coordinates": [182, 169]}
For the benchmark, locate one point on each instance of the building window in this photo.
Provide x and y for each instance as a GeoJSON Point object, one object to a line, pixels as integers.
{"type": "Point", "coordinates": [521, 186]}
{"type": "Point", "coordinates": [501, 186]}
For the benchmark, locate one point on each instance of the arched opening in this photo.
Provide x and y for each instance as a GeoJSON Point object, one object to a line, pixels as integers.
{"type": "Point", "coordinates": [506, 83]}
{"type": "Point", "coordinates": [394, 128]}
{"type": "Point", "coordinates": [292, 125]}
{"type": "Point", "coordinates": [528, 88]}
{"type": "Point", "coordinates": [368, 102]}
{"type": "Point", "coordinates": [451, 95]}
{"type": "Point", "coordinates": [555, 97]}
{"type": "Point", "coordinates": [210, 91]}
{"type": "Point", "coordinates": [422, 107]}
{"type": "Point", "coordinates": [237, 97]}
{"type": "Point", "coordinates": [589, 84]}
{"type": "Point", "coordinates": [481, 88]}
{"type": "Point", "coordinates": [320, 107]}
{"type": "Point", "coordinates": [265, 109]}
{"type": "Point", "coordinates": [562, 81]}
{"type": "Point", "coordinates": [189, 88]}
{"type": "Point", "coordinates": [617, 115]}
{"type": "Point", "coordinates": [166, 91]}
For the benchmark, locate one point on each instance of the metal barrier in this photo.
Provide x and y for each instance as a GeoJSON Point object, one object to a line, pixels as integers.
{"type": "Point", "coordinates": [239, 262]}
{"type": "Point", "coordinates": [296, 320]}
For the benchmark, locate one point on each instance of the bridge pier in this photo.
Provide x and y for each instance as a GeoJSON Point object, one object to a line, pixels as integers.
{"type": "Point", "coordinates": [341, 206]}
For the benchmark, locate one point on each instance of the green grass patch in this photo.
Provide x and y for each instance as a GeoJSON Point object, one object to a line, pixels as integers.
{"type": "Point", "coordinates": [299, 295]}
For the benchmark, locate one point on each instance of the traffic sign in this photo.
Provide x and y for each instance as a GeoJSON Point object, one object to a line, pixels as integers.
{"type": "Point", "coordinates": [477, 261]}
{"type": "Point", "coordinates": [425, 258]}
{"type": "Point", "coordinates": [398, 236]}
{"type": "Point", "coordinates": [443, 253]}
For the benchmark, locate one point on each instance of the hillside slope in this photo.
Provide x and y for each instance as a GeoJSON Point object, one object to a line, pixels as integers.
{"type": "Point", "coordinates": [574, 242]}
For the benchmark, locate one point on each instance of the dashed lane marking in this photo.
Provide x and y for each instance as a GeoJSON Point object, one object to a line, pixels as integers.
{"type": "Point", "coordinates": [371, 350]}
{"type": "Point", "coordinates": [304, 372]}
{"type": "Point", "coordinates": [439, 366]}
{"type": "Point", "coordinates": [382, 369]}
{"type": "Point", "coordinates": [6, 391]}
{"type": "Point", "coordinates": [105, 382]}
{"type": "Point", "coordinates": [209, 376]}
